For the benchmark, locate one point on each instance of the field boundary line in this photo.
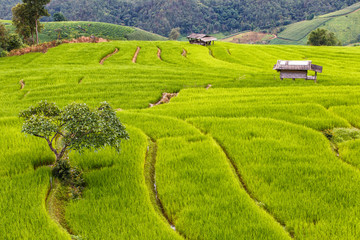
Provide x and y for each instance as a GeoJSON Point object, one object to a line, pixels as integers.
{"type": "Point", "coordinates": [150, 182]}
{"type": "Point", "coordinates": [107, 56]}
{"type": "Point", "coordinates": [55, 212]}
{"type": "Point", "coordinates": [159, 54]}
{"type": "Point", "coordinates": [136, 55]}
{"type": "Point", "coordinates": [242, 183]}
{"type": "Point", "coordinates": [184, 53]}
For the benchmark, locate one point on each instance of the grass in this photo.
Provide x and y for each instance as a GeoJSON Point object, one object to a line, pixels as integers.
{"type": "Point", "coordinates": [344, 23]}
{"type": "Point", "coordinates": [75, 29]}
{"type": "Point", "coordinates": [243, 159]}
{"type": "Point", "coordinates": [293, 171]}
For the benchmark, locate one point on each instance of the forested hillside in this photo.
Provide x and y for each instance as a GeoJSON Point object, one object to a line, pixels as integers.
{"type": "Point", "coordinates": [161, 16]}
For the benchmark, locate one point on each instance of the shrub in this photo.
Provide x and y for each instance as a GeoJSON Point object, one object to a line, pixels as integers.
{"type": "Point", "coordinates": [14, 42]}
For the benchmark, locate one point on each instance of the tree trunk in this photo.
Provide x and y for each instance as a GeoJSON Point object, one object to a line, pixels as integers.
{"type": "Point", "coordinates": [36, 29]}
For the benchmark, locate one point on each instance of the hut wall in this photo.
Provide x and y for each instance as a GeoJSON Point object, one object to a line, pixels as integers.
{"type": "Point", "coordinates": [293, 74]}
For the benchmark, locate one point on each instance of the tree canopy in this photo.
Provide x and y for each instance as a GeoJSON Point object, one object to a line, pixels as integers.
{"type": "Point", "coordinates": [322, 37]}
{"type": "Point", "coordinates": [206, 16]}
{"type": "Point", "coordinates": [76, 125]}
{"type": "Point", "coordinates": [26, 17]}
{"type": "Point", "coordinates": [174, 33]}
{"type": "Point", "coordinates": [58, 17]}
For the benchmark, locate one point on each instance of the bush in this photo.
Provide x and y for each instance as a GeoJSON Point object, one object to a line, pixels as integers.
{"type": "Point", "coordinates": [3, 53]}
{"type": "Point", "coordinates": [72, 177]}
{"type": "Point", "coordinates": [62, 170]}
{"type": "Point", "coordinates": [322, 37]}
{"type": "Point", "coordinates": [14, 42]}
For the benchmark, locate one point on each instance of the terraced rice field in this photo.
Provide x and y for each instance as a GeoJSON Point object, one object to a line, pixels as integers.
{"type": "Point", "coordinates": [343, 23]}
{"type": "Point", "coordinates": [237, 154]}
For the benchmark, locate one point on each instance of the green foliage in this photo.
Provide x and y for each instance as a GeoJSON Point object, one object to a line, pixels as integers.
{"type": "Point", "coordinates": [322, 37]}
{"type": "Point", "coordinates": [189, 15]}
{"type": "Point", "coordinates": [14, 42]}
{"type": "Point", "coordinates": [58, 17]}
{"type": "Point", "coordinates": [4, 35]}
{"type": "Point", "coordinates": [62, 170]}
{"type": "Point", "coordinates": [268, 129]}
{"type": "Point", "coordinates": [116, 197]}
{"type": "Point", "coordinates": [69, 30]}
{"type": "Point", "coordinates": [287, 167]}
{"type": "Point", "coordinates": [174, 33]}
{"type": "Point", "coordinates": [76, 124]}
{"type": "Point", "coordinates": [345, 134]}
{"type": "Point", "coordinates": [344, 23]}
{"type": "Point", "coordinates": [26, 17]}
{"type": "Point", "coordinates": [71, 177]}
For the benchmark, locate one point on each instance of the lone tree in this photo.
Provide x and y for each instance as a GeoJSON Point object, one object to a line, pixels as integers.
{"type": "Point", "coordinates": [76, 126]}
{"type": "Point", "coordinates": [174, 33]}
{"type": "Point", "coordinates": [322, 37]}
{"type": "Point", "coordinates": [21, 19]}
{"type": "Point", "coordinates": [4, 36]}
{"type": "Point", "coordinates": [58, 17]}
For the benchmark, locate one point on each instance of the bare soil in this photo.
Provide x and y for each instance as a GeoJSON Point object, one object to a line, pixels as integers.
{"type": "Point", "coordinates": [164, 99]}
{"type": "Point", "coordinates": [109, 55]}
{"type": "Point", "coordinates": [136, 54]}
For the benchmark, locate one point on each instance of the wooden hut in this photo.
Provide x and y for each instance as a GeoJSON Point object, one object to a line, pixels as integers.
{"type": "Point", "coordinates": [297, 69]}
{"type": "Point", "coordinates": [201, 39]}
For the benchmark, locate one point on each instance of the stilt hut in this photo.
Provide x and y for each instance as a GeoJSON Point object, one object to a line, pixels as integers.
{"type": "Point", "coordinates": [201, 39]}
{"type": "Point", "coordinates": [297, 69]}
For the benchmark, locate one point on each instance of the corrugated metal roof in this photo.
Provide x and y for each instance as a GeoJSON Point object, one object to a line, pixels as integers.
{"type": "Point", "coordinates": [197, 35]}
{"type": "Point", "coordinates": [296, 65]}
{"type": "Point", "coordinates": [208, 39]}
{"type": "Point", "coordinates": [203, 37]}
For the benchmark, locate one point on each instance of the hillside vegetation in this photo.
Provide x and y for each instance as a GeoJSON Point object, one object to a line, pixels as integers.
{"type": "Point", "coordinates": [344, 23]}
{"type": "Point", "coordinates": [238, 154]}
{"type": "Point", "coordinates": [208, 16]}
{"type": "Point", "coordinates": [70, 30]}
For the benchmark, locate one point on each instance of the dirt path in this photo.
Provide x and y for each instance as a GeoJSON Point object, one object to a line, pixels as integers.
{"type": "Point", "coordinates": [56, 207]}
{"type": "Point", "coordinates": [136, 55]}
{"type": "Point", "coordinates": [150, 180]}
{"type": "Point", "coordinates": [164, 99]}
{"type": "Point", "coordinates": [159, 53]}
{"type": "Point", "coordinates": [184, 53]}
{"type": "Point", "coordinates": [109, 55]}
{"type": "Point", "coordinates": [22, 83]}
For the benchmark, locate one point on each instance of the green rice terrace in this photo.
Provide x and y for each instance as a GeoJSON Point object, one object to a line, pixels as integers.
{"type": "Point", "coordinates": [235, 154]}
{"type": "Point", "coordinates": [75, 29]}
{"type": "Point", "coordinates": [345, 23]}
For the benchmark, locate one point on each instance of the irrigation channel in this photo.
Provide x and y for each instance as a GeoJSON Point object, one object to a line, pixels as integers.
{"type": "Point", "coordinates": [150, 180]}
{"type": "Point", "coordinates": [242, 183]}
{"type": "Point", "coordinates": [109, 55]}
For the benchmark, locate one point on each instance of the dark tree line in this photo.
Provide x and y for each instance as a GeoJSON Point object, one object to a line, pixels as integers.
{"type": "Point", "coordinates": [161, 16]}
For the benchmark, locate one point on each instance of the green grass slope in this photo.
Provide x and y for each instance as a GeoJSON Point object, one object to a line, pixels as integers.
{"type": "Point", "coordinates": [71, 29]}
{"type": "Point", "coordinates": [344, 23]}
{"type": "Point", "coordinates": [243, 159]}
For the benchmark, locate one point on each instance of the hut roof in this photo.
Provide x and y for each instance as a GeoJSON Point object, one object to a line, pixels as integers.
{"type": "Point", "coordinates": [202, 37]}
{"type": "Point", "coordinates": [296, 65]}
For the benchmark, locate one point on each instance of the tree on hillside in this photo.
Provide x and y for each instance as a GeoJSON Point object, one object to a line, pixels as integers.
{"type": "Point", "coordinates": [37, 9]}
{"type": "Point", "coordinates": [27, 16]}
{"type": "Point", "coordinates": [4, 35]}
{"type": "Point", "coordinates": [75, 127]}
{"type": "Point", "coordinates": [174, 33]}
{"type": "Point", "coordinates": [8, 41]}
{"type": "Point", "coordinates": [322, 37]}
{"type": "Point", "coordinates": [22, 21]}
{"type": "Point", "coordinates": [58, 17]}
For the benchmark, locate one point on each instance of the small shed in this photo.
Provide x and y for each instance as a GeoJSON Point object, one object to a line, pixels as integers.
{"type": "Point", "coordinates": [201, 39]}
{"type": "Point", "coordinates": [297, 69]}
